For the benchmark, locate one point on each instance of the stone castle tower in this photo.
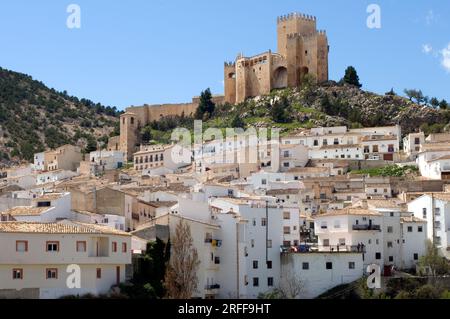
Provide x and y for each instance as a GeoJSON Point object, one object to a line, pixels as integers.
{"type": "Point", "coordinates": [302, 49]}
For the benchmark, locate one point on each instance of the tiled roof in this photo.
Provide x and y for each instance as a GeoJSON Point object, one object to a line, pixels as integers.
{"type": "Point", "coordinates": [26, 211]}
{"type": "Point", "coordinates": [58, 228]}
{"type": "Point", "coordinates": [412, 219]}
{"type": "Point", "coordinates": [356, 211]}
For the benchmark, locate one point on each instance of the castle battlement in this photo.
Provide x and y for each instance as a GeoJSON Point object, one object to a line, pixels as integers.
{"type": "Point", "coordinates": [230, 64]}
{"type": "Point", "coordinates": [302, 49]}
{"type": "Point", "coordinates": [296, 16]}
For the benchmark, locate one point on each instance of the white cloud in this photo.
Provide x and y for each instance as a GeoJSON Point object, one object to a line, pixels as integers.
{"type": "Point", "coordinates": [445, 55]}
{"type": "Point", "coordinates": [427, 48]}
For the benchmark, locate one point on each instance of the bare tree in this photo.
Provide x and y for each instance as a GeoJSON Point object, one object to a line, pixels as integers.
{"type": "Point", "coordinates": [181, 276]}
{"type": "Point", "coordinates": [291, 287]}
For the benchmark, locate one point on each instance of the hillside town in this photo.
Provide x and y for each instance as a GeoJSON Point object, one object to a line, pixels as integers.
{"type": "Point", "coordinates": [304, 209]}
{"type": "Point", "coordinates": [255, 214]}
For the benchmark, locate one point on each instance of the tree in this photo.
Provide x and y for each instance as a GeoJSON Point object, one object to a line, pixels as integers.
{"type": "Point", "coordinates": [443, 105]}
{"type": "Point", "coordinates": [416, 95]}
{"type": "Point", "coordinates": [351, 77]}
{"type": "Point", "coordinates": [436, 264]}
{"type": "Point", "coordinates": [148, 278]}
{"type": "Point", "coordinates": [206, 106]}
{"type": "Point", "coordinates": [391, 92]}
{"type": "Point", "coordinates": [278, 112]}
{"type": "Point", "coordinates": [237, 121]}
{"type": "Point", "coordinates": [434, 102]}
{"type": "Point", "coordinates": [181, 276]}
{"type": "Point", "coordinates": [290, 287]}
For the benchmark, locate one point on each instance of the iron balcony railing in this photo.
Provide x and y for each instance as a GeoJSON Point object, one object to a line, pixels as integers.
{"type": "Point", "coordinates": [314, 248]}
{"type": "Point", "coordinates": [366, 227]}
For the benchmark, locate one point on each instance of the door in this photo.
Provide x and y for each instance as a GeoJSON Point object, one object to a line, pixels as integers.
{"type": "Point", "coordinates": [118, 275]}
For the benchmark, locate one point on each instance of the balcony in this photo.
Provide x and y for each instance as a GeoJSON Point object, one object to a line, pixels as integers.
{"type": "Point", "coordinates": [212, 288]}
{"type": "Point", "coordinates": [367, 227]}
{"type": "Point", "coordinates": [314, 248]}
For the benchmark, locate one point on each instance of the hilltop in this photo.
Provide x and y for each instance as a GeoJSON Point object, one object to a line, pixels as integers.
{"type": "Point", "coordinates": [329, 104]}
{"type": "Point", "coordinates": [34, 117]}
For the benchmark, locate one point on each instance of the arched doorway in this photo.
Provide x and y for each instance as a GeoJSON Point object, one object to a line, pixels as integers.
{"type": "Point", "coordinates": [280, 78]}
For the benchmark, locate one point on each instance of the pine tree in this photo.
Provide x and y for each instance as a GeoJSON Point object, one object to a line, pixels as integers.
{"type": "Point", "coordinates": [351, 77]}
{"type": "Point", "coordinates": [206, 106]}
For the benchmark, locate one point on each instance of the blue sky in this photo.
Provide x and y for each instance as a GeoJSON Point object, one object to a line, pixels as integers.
{"type": "Point", "coordinates": [161, 51]}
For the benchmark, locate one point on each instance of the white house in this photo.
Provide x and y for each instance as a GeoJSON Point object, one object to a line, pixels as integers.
{"type": "Point", "coordinates": [45, 208]}
{"type": "Point", "coordinates": [435, 163]}
{"type": "Point", "coordinates": [38, 258]}
{"type": "Point", "coordinates": [435, 209]}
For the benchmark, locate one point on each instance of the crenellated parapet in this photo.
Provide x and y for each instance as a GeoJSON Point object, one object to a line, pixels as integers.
{"type": "Point", "coordinates": [296, 16]}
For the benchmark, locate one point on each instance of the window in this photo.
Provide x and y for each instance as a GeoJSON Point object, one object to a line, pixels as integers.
{"type": "Point", "coordinates": [390, 229]}
{"type": "Point", "coordinates": [52, 246]}
{"type": "Point", "coordinates": [17, 274]}
{"type": "Point", "coordinates": [99, 273]}
{"type": "Point", "coordinates": [286, 230]}
{"type": "Point", "coordinates": [410, 229]}
{"type": "Point", "coordinates": [269, 264]}
{"type": "Point", "coordinates": [254, 221]}
{"type": "Point", "coordinates": [114, 247]}
{"type": "Point", "coordinates": [255, 282]}
{"type": "Point", "coordinates": [286, 215]}
{"type": "Point", "coordinates": [351, 265]}
{"type": "Point", "coordinates": [391, 259]}
{"type": "Point", "coordinates": [269, 243]}
{"type": "Point", "coordinates": [377, 255]}
{"type": "Point", "coordinates": [270, 281]}
{"type": "Point", "coordinates": [21, 246]}
{"type": "Point", "coordinates": [329, 265]}
{"type": "Point", "coordinates": [81, 246]}
{"type": "Point", "coordinates": [341, 241]}
{"type": "Point", "coordinates": [264, 181]}
{"type": "Point", "coordinates": [389, 244]}
{"type": "Point", "coordinates": [424, 213]}
{"type": "Point", "coordinates": [51, 273]}
{"type": "Point", "coordinates": [263, 222]}
{"type": "Point", "coordinates": [326, 242]}
{"type": "Point", "coordinates": [391, 214]}
{"type": "Point", "coordinates": [305, 266]}
{"type": "Point", "coordinates": [43, 204]}
{"type": "Point", "coordinates": [416, 256]}
{"type": "Point", "coordinates": [255, 264]}
{"type": "Point", "coordinates": [124, 247]}
{"type": "Point", "coordinates": [420, 229]}
{"type": "Point", "coordinates": [252, 243]}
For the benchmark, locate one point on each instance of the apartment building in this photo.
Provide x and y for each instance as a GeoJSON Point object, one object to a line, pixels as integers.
{"type": "Point", "coordinates": [38, 259]}
{"type": "Point", "coordinates": [435, 209]}
{"type": "Point", "coordinates": [386, 236]}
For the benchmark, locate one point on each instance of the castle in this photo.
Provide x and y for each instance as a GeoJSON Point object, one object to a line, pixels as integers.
{"type": "Point", "coordinates": [302, 49]}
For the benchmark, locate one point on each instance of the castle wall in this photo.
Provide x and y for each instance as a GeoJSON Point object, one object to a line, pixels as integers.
{"type": "Point", "coordinates": [301, 50]}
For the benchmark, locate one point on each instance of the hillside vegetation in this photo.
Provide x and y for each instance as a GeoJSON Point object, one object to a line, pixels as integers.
{"type": "Point", "coordinates": [34, 117]}
{"type": "Point", "coordinates": [329, 104]}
